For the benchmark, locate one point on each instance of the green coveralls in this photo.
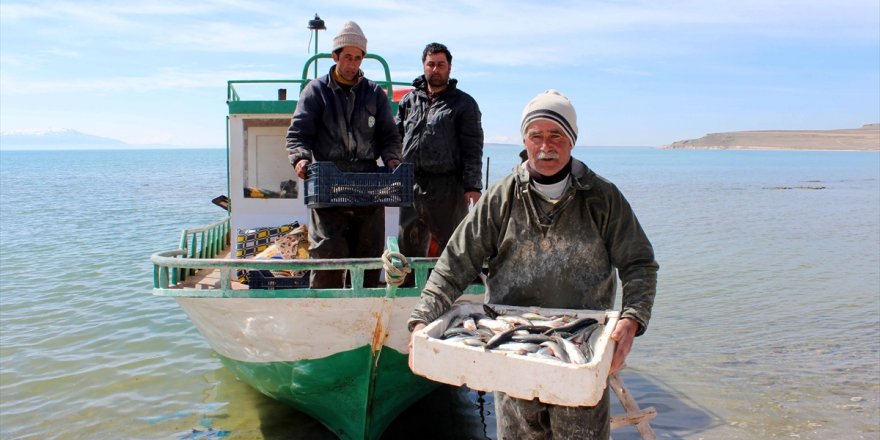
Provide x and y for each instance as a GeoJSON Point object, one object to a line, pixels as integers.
{"type": "Point", "coordinates": [562, 255]}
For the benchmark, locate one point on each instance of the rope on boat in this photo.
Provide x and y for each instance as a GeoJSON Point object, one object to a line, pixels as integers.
{"type": "Point", "coordinates": [395, 275]}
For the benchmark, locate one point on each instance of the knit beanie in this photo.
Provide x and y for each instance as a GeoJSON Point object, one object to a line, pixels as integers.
{"type": "Point", "coordinates": [552, 106]}
{"type": "Point", "coordinates": [350, 35]}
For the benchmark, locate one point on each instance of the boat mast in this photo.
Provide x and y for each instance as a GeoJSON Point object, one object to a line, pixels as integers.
{"type": "Point", "coordinates": [316, 25]}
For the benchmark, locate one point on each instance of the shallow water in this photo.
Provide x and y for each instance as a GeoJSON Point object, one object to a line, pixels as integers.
{"type": "Point", "coordinates": [766, 324]}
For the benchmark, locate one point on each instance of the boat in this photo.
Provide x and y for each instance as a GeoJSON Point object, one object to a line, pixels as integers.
{"type": "Point", "coordinates": [338, 355]}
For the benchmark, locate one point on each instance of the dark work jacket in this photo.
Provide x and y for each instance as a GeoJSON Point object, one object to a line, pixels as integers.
{"type": "Point", "coordinates": [350, 128]}
{"type": "Point", "coordinates": [444, 136]}
{"type": "Point", "coordinates": [566, 255]}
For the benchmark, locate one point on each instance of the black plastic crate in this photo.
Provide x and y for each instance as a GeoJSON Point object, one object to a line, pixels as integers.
{"type": "Point", "coordinates": [265, 279]}
{"type": "Point", "coordinates": [326, 186]}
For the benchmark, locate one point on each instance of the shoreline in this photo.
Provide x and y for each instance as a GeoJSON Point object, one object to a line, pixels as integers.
{"type": "Point", "coordinates": [865, 138]}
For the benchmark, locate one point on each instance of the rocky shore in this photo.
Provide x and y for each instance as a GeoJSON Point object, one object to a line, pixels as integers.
{"type": "Point", "coordinates": [866, 138]}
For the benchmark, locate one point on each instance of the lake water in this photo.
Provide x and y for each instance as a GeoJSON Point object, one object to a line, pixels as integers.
{"type": "Point", "coordinates": [766, 322]}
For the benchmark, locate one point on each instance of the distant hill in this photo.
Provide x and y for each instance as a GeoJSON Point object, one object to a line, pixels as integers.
{"type": "Point", "coordinates": [866, 138]}
{"type": "Point", "coordinates": [67, 139]}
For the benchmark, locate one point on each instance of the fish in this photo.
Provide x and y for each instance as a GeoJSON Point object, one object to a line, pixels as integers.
{"type": "Point", "coordinates": [530, 337]}
{"type": "Point", "coordinates": [575, 355]}
{"type": "Point", "coordinates": [499, 339]}
{"type": "Point", "coordinates": [556, 351]}
{"type": "Point", "coordinates": [514, 319]}
{"type": "Point", "coordinates": [574, 325]}
{"type": "Point", "coordinates": [470, 323]}
{"type": "Point", "coordinates": [492, 313]}
{"type": "Point", "coordinates": [467, 340]}
{"type": "Point", "coordinates": [518, 347]}
{"type": "Point", "coordinates": [458, 331]}
{"type": "Point", "coordinates": [494, 325]}
{"type": "Point", "coordinates": [543, 353]}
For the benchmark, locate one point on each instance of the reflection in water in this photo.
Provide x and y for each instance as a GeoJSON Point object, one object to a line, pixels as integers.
{"type": "Point", "coordinates": [446, 413]}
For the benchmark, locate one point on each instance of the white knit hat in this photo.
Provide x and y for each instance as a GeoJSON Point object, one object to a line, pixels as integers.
{"type": "Point", "coordinates": [552, 106]}
{"type": "Point", "coordinates": [350, 35]}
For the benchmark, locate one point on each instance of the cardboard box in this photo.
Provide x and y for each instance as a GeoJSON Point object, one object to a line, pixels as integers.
{"type": "Point", "coordinates": [550, 381]}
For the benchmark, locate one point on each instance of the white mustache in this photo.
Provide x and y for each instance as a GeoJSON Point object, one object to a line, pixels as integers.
{"type": "Point", "coordinates": [545, 155]}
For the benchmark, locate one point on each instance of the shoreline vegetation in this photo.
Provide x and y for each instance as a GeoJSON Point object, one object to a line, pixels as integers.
{"type": "Point", "coordinates": [865, 138]}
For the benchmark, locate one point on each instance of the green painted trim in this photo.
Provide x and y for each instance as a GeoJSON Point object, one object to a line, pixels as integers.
{"type": "Point", "coordinates": [338, 390]}
{"type": "Point", "coordinates": [378, 292]}
{"type": "Point", "coordinates": [261, 107]}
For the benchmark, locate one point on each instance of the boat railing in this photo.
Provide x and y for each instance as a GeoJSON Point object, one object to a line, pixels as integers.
{"type": "Point", "coordinates": [199, 247]}
{"type": "Point", "coordinates": [198, 243]}
{"type": "Point", "coordinates": [387, 83]}
{"type": "Point", "coordinates": [261, 99]}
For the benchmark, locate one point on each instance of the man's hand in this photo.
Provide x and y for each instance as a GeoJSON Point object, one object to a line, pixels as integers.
{"type": "Point", "coordinates": [416, 328]}
{"type": "Point", "coordinates": [393, 164]}
{"type": "Point", "coordinates": [471, 197]}
{"type": "Point", "coordinates": [301, 167]}
{"type": "Point", "coordinates": [623, 335]}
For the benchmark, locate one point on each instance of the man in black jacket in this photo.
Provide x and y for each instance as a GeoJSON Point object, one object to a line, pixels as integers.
{"type": "Point", "coordinates": [443, 136]}
{"type": "Point", "coordinates": [345, 118]}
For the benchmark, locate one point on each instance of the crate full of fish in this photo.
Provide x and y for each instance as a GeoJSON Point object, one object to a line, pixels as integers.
{"type": "Point", "coordinates": [559, 356]}
{"type": "Point", "coordinates": [326, 186]}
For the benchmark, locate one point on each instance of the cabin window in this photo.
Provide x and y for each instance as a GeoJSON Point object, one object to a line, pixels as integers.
{"type": "Point", "coordinates": [267, 171]}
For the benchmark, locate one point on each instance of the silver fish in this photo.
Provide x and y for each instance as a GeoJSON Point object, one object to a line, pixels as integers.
{"type": "Point", "coordinates": [575, 355]}
{"type": "Point", "coordinates": [467, 340]}
{"type": "Point", "coordinates": [557, 351]}
{"type": "Point", "coordinates": [518, 347]}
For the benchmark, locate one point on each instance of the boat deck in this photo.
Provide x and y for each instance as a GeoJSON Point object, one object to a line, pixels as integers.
{"type": "Point", "coordinates": [209, 278]}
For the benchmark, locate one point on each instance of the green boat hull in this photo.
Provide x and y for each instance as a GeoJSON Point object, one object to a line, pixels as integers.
{"type": "Point", "coordinates": [344, 391]}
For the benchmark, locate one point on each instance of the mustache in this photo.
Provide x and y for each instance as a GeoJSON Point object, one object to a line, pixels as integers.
{"type": "Point", "coordinates": [547, 155]}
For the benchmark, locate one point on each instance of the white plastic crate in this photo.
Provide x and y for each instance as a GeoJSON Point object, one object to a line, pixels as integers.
{"type": "Point", "coordinates": [552, 382]}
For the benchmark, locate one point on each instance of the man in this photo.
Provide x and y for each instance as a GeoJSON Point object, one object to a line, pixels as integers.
{"type": "Point", "coordinates": [345, 118]}
{"type": "Point", "coordinates": [443, 138]}
{"type": "Point", "coordinates": [553, 233]}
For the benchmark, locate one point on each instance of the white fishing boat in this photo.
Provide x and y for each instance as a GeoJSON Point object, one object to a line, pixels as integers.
{"type": "Point", "coordinates": [339, 355]}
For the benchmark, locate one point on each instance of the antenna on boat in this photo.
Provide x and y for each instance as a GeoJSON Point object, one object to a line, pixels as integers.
{"type": "Point", "coordinates": [316, 25]}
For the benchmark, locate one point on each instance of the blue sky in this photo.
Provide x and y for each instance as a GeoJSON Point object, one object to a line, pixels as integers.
{"type": "Point", "coordinates": [639, 72]}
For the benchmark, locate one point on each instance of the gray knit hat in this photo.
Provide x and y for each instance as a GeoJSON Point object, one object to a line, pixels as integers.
{"type": "Point", "coordinates": [552, 106]}
{"type": "Point", "coordinates": [350, 35]}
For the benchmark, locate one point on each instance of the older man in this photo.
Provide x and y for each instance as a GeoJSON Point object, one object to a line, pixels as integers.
{"type": "Point", "coordinates": [555, 235]}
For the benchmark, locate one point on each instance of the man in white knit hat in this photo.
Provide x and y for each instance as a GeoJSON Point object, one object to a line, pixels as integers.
{"type": "Point", "coordinates": [344, 118]}
{"type": "Point", "coordinates": [554, 235]}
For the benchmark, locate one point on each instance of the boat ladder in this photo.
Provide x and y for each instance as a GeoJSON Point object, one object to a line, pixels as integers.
{"type": "Point", "coordinates": [633, 415]}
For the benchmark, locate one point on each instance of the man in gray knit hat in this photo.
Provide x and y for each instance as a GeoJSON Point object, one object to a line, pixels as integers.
{"type": "Point", "coordinates": [554, 235]}
{"type": "Point", "coordinates": [344, 118]}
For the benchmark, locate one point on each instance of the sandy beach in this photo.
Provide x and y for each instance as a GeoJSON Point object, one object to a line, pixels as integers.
{"type": "Point", "coordinates": [866, 138]}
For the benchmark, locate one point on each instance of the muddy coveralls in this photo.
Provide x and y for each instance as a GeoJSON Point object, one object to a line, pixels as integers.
{"type": "Point", "coordinates": [561, 255]}
{"type": "Point", "coordinates": [351, 127]}
{"type": "Point", "coordinates": [443, 138]}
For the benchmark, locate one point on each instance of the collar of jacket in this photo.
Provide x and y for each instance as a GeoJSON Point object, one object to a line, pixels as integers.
{"type": "Point", "coordinates": [581, 180]}
{"type": "Point", "coordinates": [582, 175]}
{"type": "Point", "coordinates": [332, 81]}
{"type": "Point", "coordinates": [422, 86]}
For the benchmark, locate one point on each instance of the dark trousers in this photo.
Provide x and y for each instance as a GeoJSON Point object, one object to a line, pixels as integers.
{"type": "Point", "coordinates": [519, 419]}
{"type": "Point", "coordinates": [346, 232]}
{"type": "Point", "coordinates": [438, 207]}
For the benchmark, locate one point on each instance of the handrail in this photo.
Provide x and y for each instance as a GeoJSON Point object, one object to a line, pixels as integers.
{"type": "Point", "coordinates": [201, 242]}
{"type": "Point", "coordinates": [198, 247]}
{"type": "Point", "coordinates": [387, 83]}
{"type": "Point", "coordinates": [166, 263]}
{"type": "Point", "coordinates": [232, 94]}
